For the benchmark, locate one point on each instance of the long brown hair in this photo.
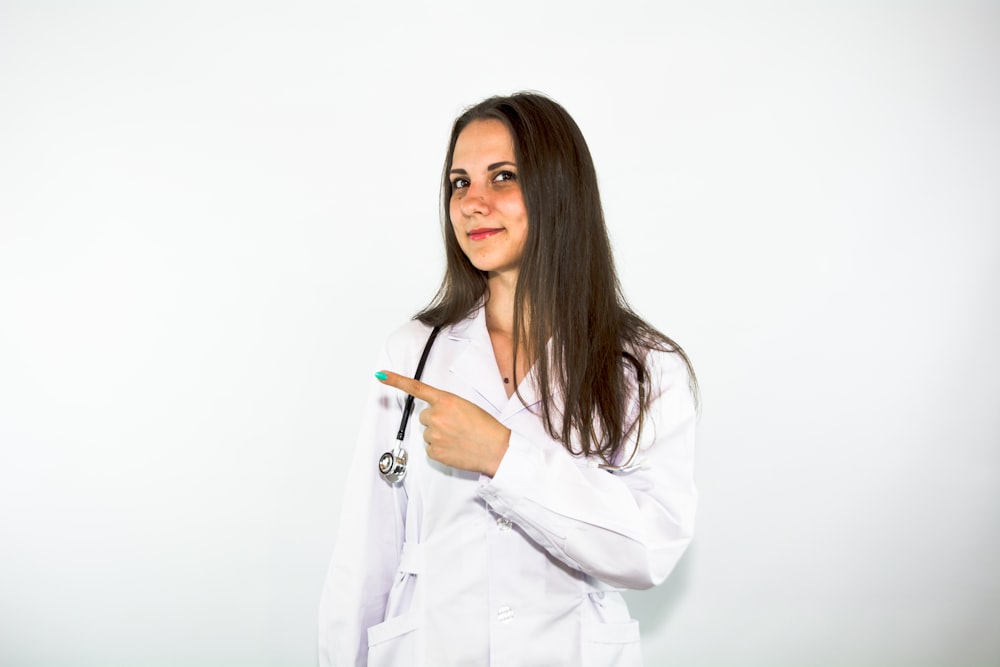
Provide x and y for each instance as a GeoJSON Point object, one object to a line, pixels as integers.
{"type": "Point", "coordinates": [584, 338]}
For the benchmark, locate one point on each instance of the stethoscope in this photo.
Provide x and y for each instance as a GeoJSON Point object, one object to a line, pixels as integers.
{"type": "Point", "coordinates": [392, 464]}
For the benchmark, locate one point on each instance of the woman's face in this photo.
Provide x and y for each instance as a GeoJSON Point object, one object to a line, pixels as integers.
{"type": "Point", "coordinates": [487, 209]}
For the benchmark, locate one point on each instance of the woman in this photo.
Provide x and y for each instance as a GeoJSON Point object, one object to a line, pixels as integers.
{"type": "Point", "coordinates": [552, 462]}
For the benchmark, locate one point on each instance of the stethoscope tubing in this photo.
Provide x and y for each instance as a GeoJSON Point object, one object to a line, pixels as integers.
{"type": "Point", "coordinates": [408, 406]}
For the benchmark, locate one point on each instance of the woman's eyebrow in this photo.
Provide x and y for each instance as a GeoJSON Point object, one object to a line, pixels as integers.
{"type": "Point", "coordinates": [489, 167]}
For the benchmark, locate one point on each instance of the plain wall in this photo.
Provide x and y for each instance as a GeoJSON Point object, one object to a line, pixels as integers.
{"type": "Point", "coordinates": [211, 214]}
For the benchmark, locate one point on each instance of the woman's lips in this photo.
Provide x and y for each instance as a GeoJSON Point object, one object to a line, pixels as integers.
{"type": "Point", "coordinates": [480, 234]}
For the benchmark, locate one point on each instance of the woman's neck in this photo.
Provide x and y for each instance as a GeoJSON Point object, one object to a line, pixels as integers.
{"type": "Point", "coordinates": [500, 324]}
{"type": "Point", "coordinates": [500, 304]}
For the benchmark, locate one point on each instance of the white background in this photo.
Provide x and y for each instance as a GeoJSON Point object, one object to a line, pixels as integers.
{"type": "Point", "coordinates": [212, 212]}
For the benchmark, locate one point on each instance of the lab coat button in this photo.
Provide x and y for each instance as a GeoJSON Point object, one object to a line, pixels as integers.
{"type": "Point", "coordinates": [505, 614]}
{"type": "Point", "coordinates": [503, 524]}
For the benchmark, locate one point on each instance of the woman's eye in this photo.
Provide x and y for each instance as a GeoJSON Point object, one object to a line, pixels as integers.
{"type": "Point", "coordinates": [505, 175]}
{"type": "Point", "coordinates": [460, 183]}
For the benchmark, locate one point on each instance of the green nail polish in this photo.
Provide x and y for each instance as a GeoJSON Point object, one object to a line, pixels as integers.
{"type": "Point", "coordinates": [381, 376]}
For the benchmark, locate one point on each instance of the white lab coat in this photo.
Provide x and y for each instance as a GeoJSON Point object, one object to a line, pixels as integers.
{"type": "Point", "coordinates": [453, 568]}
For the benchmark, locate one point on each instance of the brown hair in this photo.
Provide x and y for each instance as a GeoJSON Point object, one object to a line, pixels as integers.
{"type": "Point", "coordinates": [583, 336]}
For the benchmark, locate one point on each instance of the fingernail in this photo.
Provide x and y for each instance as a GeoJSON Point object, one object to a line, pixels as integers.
{"type": "Point", "coordinates": [381, 376]}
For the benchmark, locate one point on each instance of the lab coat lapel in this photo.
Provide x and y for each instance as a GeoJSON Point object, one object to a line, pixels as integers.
{"type": "Point", "coordinates": [515, 404]}
{"type": "Point", "coordinates": [532, 399]}
{"type": "Point", "coordinates": [475, 364]}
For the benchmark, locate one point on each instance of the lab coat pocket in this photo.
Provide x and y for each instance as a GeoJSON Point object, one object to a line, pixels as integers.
{"type": "Point", "coordinates": [607, 644]}
{"type": "Point", "coordinates": [394, 642]}
{"type": "Point", "coordinates": [610, 635]}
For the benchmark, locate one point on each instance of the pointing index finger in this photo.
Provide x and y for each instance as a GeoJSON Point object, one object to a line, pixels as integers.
{"type": "Point", "coordinates": [416, 388]}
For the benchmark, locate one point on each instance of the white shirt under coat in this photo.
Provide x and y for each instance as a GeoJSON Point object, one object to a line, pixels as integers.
{"type": "Point", "coordinates": [455, 568]}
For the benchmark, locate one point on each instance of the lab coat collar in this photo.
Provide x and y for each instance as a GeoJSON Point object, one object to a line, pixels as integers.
{"type": "Point", "coordinates": [477, 365]}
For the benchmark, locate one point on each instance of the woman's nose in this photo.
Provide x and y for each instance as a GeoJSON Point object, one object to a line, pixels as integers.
{"type": "Point", "coordinates": [475, 202]}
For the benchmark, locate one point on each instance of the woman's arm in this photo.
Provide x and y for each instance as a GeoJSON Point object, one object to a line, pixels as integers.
{"type": "Point", "coordinates": [627, 529]}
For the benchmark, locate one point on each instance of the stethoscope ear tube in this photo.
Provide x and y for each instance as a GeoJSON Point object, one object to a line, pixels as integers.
{"type": "Point", "coordinates": [392, 464]}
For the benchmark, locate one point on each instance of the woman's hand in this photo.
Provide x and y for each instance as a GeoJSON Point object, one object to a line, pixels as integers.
{"type": "Point", "coordinates": [459, 434]}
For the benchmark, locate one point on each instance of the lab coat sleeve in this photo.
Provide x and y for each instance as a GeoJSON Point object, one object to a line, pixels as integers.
{"type": "Point", "coordinates": [627, 529]}
{"type": "Point", "coordinates": [369, 539]}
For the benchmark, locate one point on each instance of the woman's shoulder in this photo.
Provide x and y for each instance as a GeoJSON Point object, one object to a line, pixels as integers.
{"type": "Point", "coordinates": [405, 345]}
{"type": "Point", "coordinates": [410, 337]}
{"type": "Point", "coordinates": [665, 363]}
{"type": "Point", "coordinates": [402, 347]}
{"type": "Point", "coordinates": [408, 332]}
{"type": "Point", "coordinates": [669, 373]}
{"type": "Point", "coordinates": [403, 339]}
{"type": "Point", "coordinates": [416, 328]}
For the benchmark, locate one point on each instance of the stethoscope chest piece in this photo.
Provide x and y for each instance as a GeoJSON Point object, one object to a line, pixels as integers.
{"type": "Point", "coordinates": [392, 465]}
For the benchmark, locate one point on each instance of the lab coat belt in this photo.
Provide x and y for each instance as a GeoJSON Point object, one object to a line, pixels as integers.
{"type": "Point", "coordinates": [412, 558]}
{"type": "Point", "coordinates": [598, 586]}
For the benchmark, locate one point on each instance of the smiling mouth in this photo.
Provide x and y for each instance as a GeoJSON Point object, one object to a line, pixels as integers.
{"type": "Point", "coordinates": [480, 234]}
